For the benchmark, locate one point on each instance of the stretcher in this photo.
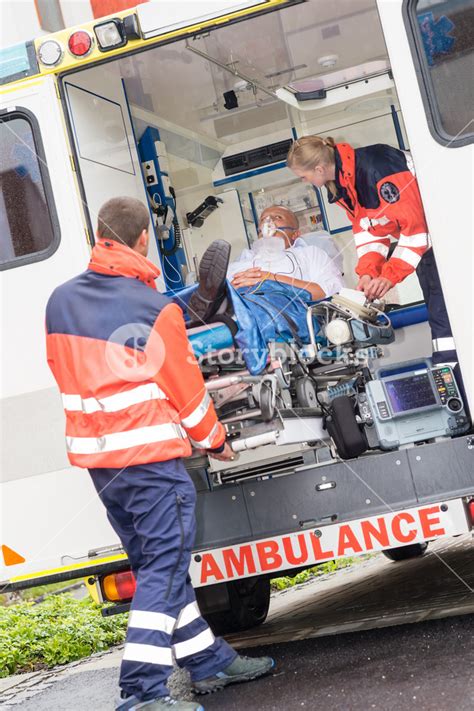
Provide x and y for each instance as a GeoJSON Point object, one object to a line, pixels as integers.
{"type": "Point", "coordinates": [288, 399]}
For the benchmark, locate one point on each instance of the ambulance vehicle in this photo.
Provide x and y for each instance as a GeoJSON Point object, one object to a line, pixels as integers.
{"type": "Point", "coordinates": [191, 107]}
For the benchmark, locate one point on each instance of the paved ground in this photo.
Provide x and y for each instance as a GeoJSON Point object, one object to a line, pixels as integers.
{"type": "Point", "coordinates": [424, 667]}
{"type": "Point", "coordinates": [376, 593]}
{"type": "Point", "coordinates": [340, 642]}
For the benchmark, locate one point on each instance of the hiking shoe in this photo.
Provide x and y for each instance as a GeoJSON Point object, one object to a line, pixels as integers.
{"type": "Point", "coordinates": [211, 291]}
{"type": "Point", "coordinates": [241, 669]}
{"type": "Point", "coordinates": [162, 703]}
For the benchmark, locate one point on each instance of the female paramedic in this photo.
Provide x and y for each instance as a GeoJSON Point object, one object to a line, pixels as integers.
{"type": "Point", "coordinates": [376, 187]}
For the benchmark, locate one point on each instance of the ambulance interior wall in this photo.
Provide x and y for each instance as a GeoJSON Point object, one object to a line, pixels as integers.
{"type": "Point", "coordinates": [105, 143]}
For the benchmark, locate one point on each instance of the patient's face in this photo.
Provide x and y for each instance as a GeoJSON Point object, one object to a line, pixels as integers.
{"type": "Point", "coordinates": [284, 220]}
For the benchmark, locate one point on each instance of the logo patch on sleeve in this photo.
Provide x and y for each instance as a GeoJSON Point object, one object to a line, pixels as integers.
{"type": "Point", "coordinates": [390, 192]}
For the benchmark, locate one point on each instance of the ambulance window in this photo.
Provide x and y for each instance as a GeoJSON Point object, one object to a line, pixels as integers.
{"type": "Point", "coordinates": [443, 36]}
{"type": "Point", "coordinates": [28, 227]}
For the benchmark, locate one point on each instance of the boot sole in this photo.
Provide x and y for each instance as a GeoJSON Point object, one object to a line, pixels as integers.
{"type": "Point", "coordinates": [212, 274]}
{"type": "Point", "coordinates": [138, 705]}
{"type": "Point", "coordinates": [219, 684]}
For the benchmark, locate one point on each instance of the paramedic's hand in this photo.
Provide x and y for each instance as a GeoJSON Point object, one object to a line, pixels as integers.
{"type": "Point", "coordinates": [250, 277]}
{"type": "Point", "coordinates": [226, 455]}
{"type": "Point", "coordinates": [377, 288]}
{"type": "Point", "coordinates": [364, 282]}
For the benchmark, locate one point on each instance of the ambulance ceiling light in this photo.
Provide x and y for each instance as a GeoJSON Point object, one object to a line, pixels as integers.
{"type": "Point", "coordinates": [329, 61]}
{"type": "Point", "coordinates": [110, 35]}
{"type": "Point", "coordinates": [50, 53]}
{"type": "Point", "coordinates": [80, 43]}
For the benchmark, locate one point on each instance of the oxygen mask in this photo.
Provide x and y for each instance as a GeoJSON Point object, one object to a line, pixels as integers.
{"type": "Point", "coordinates": [268, 227]}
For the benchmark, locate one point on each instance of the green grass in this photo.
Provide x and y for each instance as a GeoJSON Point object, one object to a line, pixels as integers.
{"type": "Point", "coordinates": [322, 569]}
{"type": "Point", "coordinates": [56, 631]}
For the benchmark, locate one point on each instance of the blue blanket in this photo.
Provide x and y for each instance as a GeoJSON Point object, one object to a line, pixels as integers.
{"type": "Point", "coordinates": [271, 312]}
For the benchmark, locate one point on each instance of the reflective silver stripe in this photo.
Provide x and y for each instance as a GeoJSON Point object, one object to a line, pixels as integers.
{"type": "Point", "coordinates": [188, 614]}
{"type": "Point", "coordinates": [124, 440]}
{"type": "Point", "coordinates": [195, 644]}
{"type": "Point", "coordinates": [197, 415]}
{"type": "Point", "coordinates": [207, 442]}
{"type": "Point", "coordinates": [157, 621]}
{"type": "Point", "coordinates": [365, 238]}
{"type": "Point", "coordinates": [406, 255]}
{"type": "Point", "coordinates": [419, 240]}
{"type": "Point", "coordinates": [375, 247]}
{"type": "Point", "coordinates": [367, 222]}
{"type": "Point", "coordinates": [148, 653]}
{"type": "Point", "coordinates": [444, 344]}
{"type": "Point", "coordinates": [113, 403]}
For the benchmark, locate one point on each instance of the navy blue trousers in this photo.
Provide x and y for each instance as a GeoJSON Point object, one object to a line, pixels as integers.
{"type": "Point", "coordinates": [151, 508]}
{"type": "Point", "coordinates": [444, 350]}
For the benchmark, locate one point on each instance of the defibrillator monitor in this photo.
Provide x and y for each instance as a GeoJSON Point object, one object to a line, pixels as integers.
{"type": "Point", "coordinates": [415, 401]}
{"type": "Point", "coordinates": [410, 393]}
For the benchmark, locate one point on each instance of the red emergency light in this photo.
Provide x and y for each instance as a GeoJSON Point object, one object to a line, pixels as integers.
{"type": "Point", "coordinates": [80, 43]}
{"type": "Point", "coordinates": [118, 587]}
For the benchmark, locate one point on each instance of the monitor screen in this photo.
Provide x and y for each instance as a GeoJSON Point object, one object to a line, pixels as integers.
{"type": "Point", "coordinates": [410, 393]}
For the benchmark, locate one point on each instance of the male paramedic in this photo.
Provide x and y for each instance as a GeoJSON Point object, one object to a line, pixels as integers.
{"type": "Point", "coordinates": [135, 402]}
{"type": "Point", "coordinates": [280, 255]}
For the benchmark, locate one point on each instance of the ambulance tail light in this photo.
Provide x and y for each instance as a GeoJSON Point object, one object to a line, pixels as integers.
{"type": "Point", "coordinates": [119, 587]}
{"type": "Point", "coordinates": [80, 43]}
{"type": "Point", "coordinates": [470, 508]}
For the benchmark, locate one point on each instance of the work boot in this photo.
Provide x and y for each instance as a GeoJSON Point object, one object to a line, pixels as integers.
{"type": "Point", "coordinates": [241, 669]}
{"type": "Point", "coordinates": [162, 703]}
{"type": "Point", "coordinates": [211, 291]}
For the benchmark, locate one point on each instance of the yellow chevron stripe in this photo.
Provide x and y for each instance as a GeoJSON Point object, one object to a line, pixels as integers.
{"type": "Point", "coordinates": [65, 568]}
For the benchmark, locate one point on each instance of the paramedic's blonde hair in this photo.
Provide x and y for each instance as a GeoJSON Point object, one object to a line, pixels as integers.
{"type": "Point", "coordinates": [309, 151]}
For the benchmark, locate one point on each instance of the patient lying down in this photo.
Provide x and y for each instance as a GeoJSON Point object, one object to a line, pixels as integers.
{"type": "Point", "coordinates": [280, 256]}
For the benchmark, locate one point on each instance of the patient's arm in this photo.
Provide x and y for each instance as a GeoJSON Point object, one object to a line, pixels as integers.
{"type": "Point", "coordinates": [255, 275]}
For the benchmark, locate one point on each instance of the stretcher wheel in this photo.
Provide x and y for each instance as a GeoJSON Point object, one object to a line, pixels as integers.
{"type": "Point", "coordinates": [306, 392]}
{"type": "Point", "coordinates": [267, 402]}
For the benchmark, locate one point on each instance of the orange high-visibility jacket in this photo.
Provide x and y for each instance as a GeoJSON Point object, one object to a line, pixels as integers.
{"type": "Point", "coordinates": [378, 189]}
{"type": "Point", "coordinates": [131, 387]}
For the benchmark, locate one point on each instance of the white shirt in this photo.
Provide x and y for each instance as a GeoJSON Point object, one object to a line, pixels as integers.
{"type": "Point", "coordinates": [300, 261]}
